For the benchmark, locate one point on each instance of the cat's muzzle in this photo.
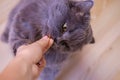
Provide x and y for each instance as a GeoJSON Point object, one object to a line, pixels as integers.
{"type": "Point", "coordinates": [63, 45]}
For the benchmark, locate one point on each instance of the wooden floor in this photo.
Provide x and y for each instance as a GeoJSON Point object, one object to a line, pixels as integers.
{"type": "Point", "coordinates": [100, 61]}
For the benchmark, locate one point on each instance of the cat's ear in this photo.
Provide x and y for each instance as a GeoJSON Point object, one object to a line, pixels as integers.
{"type": "Point", "coordinates": [82, 5]}
{"type": "Point", "coordinates": [85, 5]}
{"type": "Point", "coordinates": [93, 40]}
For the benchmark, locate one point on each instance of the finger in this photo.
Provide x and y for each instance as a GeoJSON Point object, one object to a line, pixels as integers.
{"type": "Point", "coordinates": [43, 44]}
{"type": "Point", "coordinates": [41, 47]}
{"type": "Point", "coordinates": [37, 69]}
{"type": "Point", "coordinates": [34, 51]}
{"type": "Point", "coordinates": [42, 65]}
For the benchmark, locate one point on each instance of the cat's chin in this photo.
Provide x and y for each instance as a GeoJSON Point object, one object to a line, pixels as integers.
{"type": "Point", "coordinates": [62, 48]}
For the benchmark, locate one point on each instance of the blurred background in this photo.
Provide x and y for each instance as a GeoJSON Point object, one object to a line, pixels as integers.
{"type": "Point", "coordinates": [100, 61]}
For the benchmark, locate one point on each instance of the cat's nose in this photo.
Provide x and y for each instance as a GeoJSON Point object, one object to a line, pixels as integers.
{"type": "Point", "coordinates": [62, 42]}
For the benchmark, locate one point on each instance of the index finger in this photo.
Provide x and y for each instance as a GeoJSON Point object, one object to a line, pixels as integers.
{"type": "Point", "coordinates": [35, 51]}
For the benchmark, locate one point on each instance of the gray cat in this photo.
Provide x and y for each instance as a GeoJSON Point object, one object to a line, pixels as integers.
{"type": "Point", "coordinates": [32, 19]}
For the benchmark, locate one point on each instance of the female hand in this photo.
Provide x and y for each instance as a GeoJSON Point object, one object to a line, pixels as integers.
{"type": "Point", "coordinates": [29, 61]}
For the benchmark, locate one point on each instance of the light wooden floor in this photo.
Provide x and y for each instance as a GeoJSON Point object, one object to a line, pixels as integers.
{"type": "Point", "coordinates": [100, 61]}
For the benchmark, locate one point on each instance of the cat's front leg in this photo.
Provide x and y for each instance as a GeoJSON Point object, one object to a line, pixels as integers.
{"type": "Point", "coordinates": [50, 73]}
{"type": "Point", "coordinates": [21, 33]}
{"type": "Point", "coordinates": [16, 41]}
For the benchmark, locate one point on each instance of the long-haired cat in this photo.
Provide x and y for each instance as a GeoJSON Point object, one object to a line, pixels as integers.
{"type": "Point", "coordinates": [32, 19]}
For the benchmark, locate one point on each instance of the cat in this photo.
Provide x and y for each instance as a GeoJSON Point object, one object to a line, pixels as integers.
{"type": "Point", "coordinates": [66, 22]}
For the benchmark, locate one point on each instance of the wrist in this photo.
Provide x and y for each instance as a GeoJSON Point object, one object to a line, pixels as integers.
{"type": "Point", "coordinates": [15, 70]}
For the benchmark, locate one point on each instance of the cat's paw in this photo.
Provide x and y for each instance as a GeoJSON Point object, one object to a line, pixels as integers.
{"type": "Point", "coordinates": [16, 44]}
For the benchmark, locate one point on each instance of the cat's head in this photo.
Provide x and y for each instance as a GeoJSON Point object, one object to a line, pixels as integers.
{"type": "Point", "coordinates": [77, 30]}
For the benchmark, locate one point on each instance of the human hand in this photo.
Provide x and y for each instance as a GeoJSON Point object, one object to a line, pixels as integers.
{"type": "Point", "coordinates": [25, 65]}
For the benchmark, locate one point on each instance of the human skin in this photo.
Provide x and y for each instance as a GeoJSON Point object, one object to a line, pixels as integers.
{"type": "Point", "coordinates": [25, 65]}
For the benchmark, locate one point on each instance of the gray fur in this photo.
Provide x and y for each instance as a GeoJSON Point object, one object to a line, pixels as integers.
{"type": "Point", "coordinates": [32, 19]}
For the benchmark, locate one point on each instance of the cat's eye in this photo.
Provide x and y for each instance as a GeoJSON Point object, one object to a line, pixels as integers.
{"type": "Point", "coordinates": [64, 28]}
{"type": "Point", "coordinates": [81, 13]}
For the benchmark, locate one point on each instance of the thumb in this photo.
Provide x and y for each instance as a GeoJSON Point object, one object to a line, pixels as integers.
{"type": "Point", "coordinates": [42, 45]}
{"type": "Point", "coordinates": [34, 52]}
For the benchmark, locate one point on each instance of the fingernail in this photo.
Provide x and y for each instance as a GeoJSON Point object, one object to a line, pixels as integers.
{"type": "Point", "coordinates": [46, 38]}
{"type": "Point", "coordinates": [51, 41]}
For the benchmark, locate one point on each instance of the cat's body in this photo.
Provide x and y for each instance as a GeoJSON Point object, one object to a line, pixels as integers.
{"type": "Point", "coordinates": [32, 19]}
